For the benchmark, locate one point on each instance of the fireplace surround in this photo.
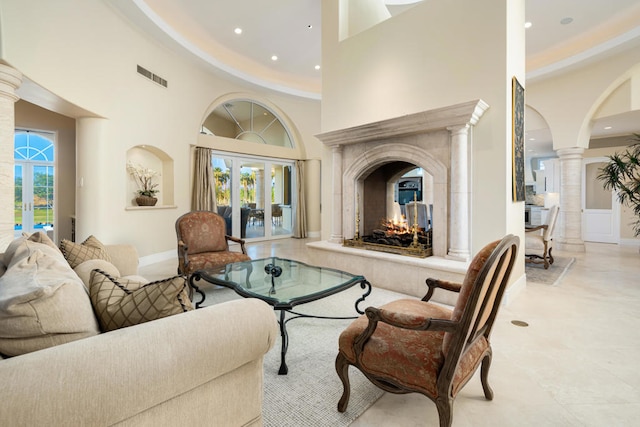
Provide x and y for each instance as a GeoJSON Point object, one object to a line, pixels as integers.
{"type": "Point", "coordinates": [438, 141]}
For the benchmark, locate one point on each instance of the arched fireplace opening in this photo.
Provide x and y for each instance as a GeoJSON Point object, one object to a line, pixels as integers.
{"type": "Point", "coordinates": [395, 209]}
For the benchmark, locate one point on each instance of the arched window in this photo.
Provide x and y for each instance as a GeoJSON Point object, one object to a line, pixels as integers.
{"type": "Point", "coordinates": [34, 181]}
{"type": "Point", "coordinates": [247, 120]}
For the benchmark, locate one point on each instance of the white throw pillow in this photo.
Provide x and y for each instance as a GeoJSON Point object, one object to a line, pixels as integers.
{"type": "Point", "coordinates": [43, 303]}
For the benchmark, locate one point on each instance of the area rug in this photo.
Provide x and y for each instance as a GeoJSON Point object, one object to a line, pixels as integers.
{"type": "Point", "coordinates": [536, 273]}
{"type": "Point", "coordinates": [308, 395]}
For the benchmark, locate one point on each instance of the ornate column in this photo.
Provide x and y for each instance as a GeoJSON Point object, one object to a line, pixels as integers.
{"type": "Point", "coordinates": [10, 80]}
{"type": "Point", "coordinates": [568, 236]}
{"type": "Point", "coordinates": [336, 180]}
{"type": "Point", "coordinates": [459, 212]}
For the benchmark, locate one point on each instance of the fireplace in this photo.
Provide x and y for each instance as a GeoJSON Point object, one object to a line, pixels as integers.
{"type": "Point", "coordinates": [394, 217]}
{"type": "Point", "coordinates": [436, 141]}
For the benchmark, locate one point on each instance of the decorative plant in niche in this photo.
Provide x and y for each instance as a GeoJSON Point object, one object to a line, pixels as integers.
{"type": "Point", "coordinates": [147, 189]}
{"type": "Point", "coordinates": [622, 174]}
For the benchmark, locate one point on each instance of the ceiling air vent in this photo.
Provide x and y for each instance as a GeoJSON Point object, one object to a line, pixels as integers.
{"type": "Point", "coordinates": [148, 74]}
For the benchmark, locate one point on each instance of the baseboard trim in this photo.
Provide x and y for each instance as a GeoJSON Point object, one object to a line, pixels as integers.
{"type": "Point", "coordinates": [630, 242]}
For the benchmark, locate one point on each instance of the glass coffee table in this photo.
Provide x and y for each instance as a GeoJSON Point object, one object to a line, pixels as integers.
{"type": "Point", "coordinates": [282, 283]}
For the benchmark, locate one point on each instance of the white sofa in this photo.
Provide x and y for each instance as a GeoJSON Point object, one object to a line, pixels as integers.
{"type": "Point", "coordinates": [201, 367]}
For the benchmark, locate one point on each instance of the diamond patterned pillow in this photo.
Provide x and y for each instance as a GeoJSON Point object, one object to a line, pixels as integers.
{"type": "Point", "coordinates": [119, 303]}
{"type": "Point", "coordinates": [76, 254]}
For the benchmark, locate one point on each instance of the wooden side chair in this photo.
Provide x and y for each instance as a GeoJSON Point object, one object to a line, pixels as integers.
{"type": "Point", "coordinates": [412, 345]}
{"type": "Point", "coordinates": [538, 241]}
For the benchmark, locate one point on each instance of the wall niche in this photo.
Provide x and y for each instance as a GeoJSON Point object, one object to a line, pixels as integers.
{"type": "Point", "coordinates": [153, 158]}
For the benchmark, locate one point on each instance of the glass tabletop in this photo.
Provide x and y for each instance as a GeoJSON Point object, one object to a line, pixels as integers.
{"type": "Point", "coordinates": [281, 282]}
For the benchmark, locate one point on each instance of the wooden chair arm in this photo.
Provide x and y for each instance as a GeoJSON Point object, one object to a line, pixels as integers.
{"type": "Point", "coordinates": [183, 257]}
{"type": "Point", "coordinates": [442, 284]}
{"type": "Point", "coordinates": [405, 321]}
{"type": "Point", "coordinates": [237, 240]}
{"type": "Point", "coordinates": [539, 227]}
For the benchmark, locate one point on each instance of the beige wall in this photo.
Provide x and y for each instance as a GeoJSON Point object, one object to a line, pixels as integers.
{"type": "Point", "coordinates": [569, 101]}
{"type": "Point", "coordinates": [86, 54]}
{"type": "Point", "coordinates": [429, 57]}
{"type": "Point", "coordinates": [29, 116]}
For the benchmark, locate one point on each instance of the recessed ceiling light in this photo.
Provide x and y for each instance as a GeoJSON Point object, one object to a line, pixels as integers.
{"type": "Point", "coordinates": [528, 24]}
{"type": "Point", "coordinates": [238, 30]}
{"type": "Point", "coordinates": [608, 127]}
{"type": "Point", "coordinates": [566, 21]}
{"type": "Point", "coordinates": [532, 139]}
{"type": "Point", "coordinates": [274, 57]}
{"type": "Point", "coordinates": [317, 67]}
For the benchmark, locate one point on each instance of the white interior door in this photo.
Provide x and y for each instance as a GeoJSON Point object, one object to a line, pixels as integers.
{"type": "Point", "coordinates": [600, 210]}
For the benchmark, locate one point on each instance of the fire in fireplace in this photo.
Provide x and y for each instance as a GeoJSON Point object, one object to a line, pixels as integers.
{"type": "Point", "coordinates": [396, 236]}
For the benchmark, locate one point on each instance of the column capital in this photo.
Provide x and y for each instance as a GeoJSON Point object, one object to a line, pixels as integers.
{"type": "Point", "coordinates": [459, 129]}
{"type": "Point", "coordinates": [10, 80]}
{"type": "Point", "coordinates": [568, 153]}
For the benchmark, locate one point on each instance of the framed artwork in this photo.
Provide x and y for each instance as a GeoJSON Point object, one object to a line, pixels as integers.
{"type": "Point", "coordinates": [517, 127]}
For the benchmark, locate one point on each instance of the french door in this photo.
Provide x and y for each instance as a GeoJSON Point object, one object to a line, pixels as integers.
{"type": "Point", "coordinates": [34, 174]}
{"type": "Point", "coordinates": [254, 195]}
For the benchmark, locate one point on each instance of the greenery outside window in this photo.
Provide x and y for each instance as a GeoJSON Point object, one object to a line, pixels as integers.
{"type": "Point", "coordinates": [34, 181]}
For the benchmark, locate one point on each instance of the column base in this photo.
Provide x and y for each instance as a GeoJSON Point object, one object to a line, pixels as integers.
{"type": "Point", "coordinates": [458, 255]}
{"type": "Point", "coordinates": [574, 245]}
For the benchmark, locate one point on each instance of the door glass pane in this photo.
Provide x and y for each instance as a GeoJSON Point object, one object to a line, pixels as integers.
{"type": "Point", "coordinates": [18, 199]}
{"type": "Point", "coordinates": [34, 181]}
{"type": "Point", "coordinates": [281, 200]}
{"type": "Point", "coordinates": [252, 214]}
{"type": "Point", "coordinates": [596, 197]}
{"type": "Point", "coordinates": [43, 197]}
{"type": "Point", "coordinates": [222, 175]}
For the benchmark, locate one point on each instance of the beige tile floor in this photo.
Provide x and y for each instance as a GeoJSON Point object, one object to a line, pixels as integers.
{"type": "Point", "coordinates": [576, 364]}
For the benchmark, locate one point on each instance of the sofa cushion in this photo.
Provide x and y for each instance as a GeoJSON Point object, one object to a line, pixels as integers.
{"type": "Point", "coordinates": [41, 237]}
{"type": "Point", "coordinates": [38, 237]}
{"type": "Point", "coordinates": [120, 302]}
{"type": "Point", "coordinates": [76, 254]}
{"type": "Point", "coordinates": [11, 249]}
{"type": "Point", "coordinates": [43, 303]}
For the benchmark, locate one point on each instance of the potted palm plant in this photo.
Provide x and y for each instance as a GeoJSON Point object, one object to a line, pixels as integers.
{"type": "Point", "coordinates": [622, 174]}
{"type": "Point", "coordinates": [147, 189]}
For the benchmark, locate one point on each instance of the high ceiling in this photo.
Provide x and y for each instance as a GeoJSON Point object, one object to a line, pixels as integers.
{"type": "Point", "coordinates": [564, 34]}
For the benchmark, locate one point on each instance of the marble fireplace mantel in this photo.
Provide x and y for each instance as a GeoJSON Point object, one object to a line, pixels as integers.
{"type": "Point", "coordinates": [436, 140]}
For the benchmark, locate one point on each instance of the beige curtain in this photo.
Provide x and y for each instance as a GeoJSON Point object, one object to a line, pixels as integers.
{"type": "Point", "coordinates": [300, 220]}
{"type": "Point", "coordinates": [203, 197]}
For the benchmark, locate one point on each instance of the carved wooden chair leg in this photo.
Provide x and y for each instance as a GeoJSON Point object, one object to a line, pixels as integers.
{"type": "Point", "coordinates": [484, 377]}
{"type": "Point", "coordinates": [445, 411]}
{"type": "Point", "coordinates": [342, 368]}
{"type": "Point", "coordinates": [550, 256]}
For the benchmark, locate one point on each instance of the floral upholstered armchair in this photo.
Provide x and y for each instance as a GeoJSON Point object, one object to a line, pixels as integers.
{"type": "Point", "coordinates": [412, 345]}
{"type": "Point", "coordinates": [203, 242]}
